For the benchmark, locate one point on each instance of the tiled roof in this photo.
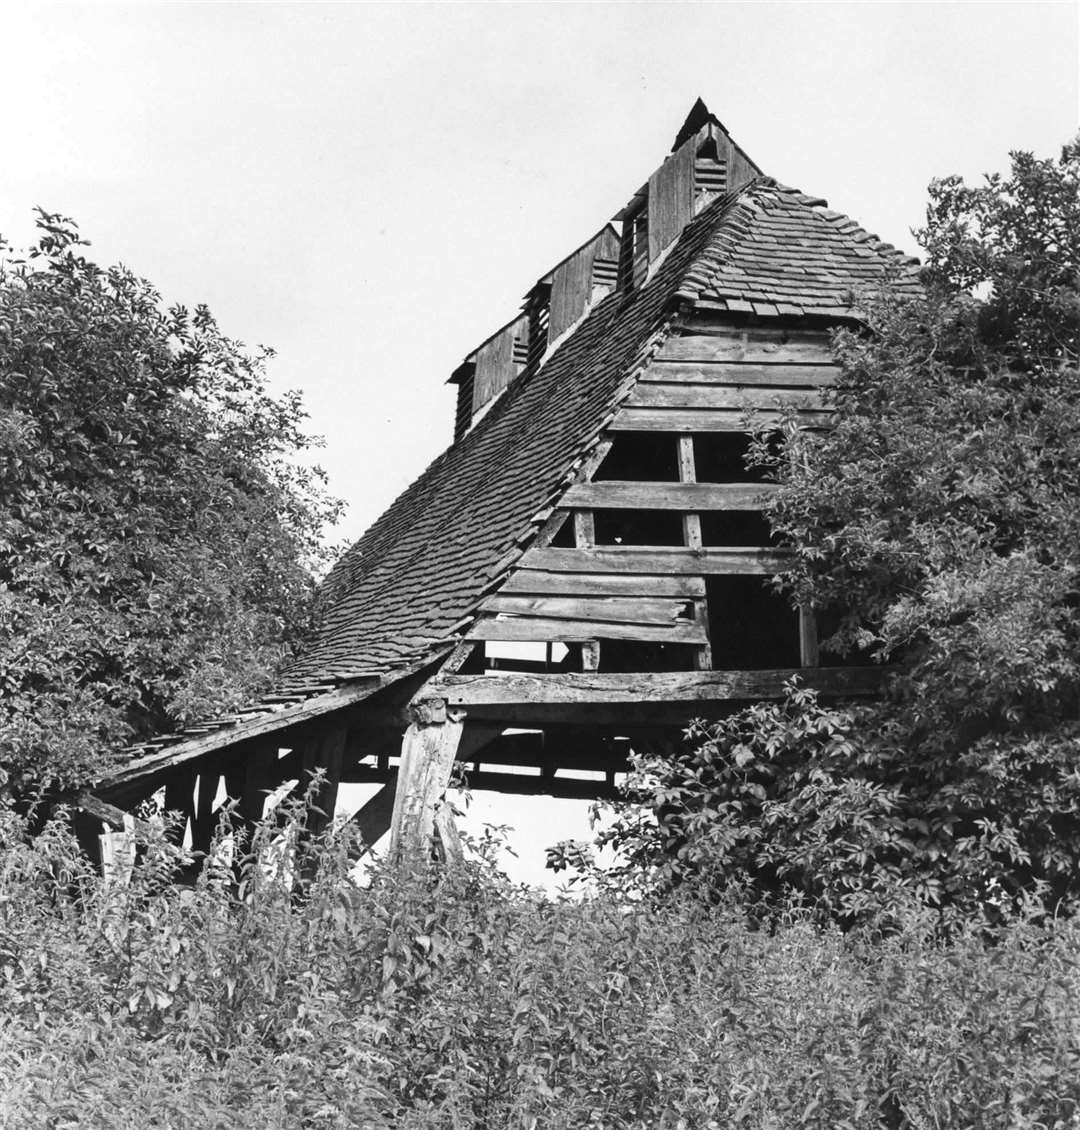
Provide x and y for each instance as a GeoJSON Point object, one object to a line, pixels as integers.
{"type": "Point", "coordinates": [421, 569]}
{"type": "Point", "coordinates": [780, 251]}
{"type": "Point", "coordinates": [407, 588]}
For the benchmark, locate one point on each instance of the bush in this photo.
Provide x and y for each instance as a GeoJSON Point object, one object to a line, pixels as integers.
{"type": "Point", "coordinates": [466, 1002]}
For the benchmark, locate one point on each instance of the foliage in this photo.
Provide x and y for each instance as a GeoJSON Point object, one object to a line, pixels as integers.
{"type": "Point", "coordinates": [157, 535]}
{"type": "Point", "coordinates": [936, 529]}
{"type": "Point", "coordinates": [244, 1001]}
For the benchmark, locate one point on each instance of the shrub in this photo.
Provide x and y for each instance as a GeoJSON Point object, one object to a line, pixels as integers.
{"type": "Point", "coordinates": [467, 1002]}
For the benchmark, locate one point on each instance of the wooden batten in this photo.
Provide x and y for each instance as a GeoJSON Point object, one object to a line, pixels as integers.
{"type": "Point", "coordinates": [708, 420]}
{"type": "Point", "coordinates": [740, 374]}
{"type": "Point", "coordinates": [634, 495]}
{"type": "Point", "coordinates": [543, 629]}
{"type": "Point", "coordinates": [642, 562]}
{"type": "Point", "coordinates": [702, 341]}
{"type": "Point", "coordinates": [599, 609]}
{"type": "Point", "coordinates": [543, 582]}
{"type": "Point", "coordinates": [658, 393]}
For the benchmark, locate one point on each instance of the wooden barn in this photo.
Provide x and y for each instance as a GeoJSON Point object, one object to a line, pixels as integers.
{"type": "Point", "coordinates": [586, 566]}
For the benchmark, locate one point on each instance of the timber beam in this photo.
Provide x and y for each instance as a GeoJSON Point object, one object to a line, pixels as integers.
{"type": "Point", "coordinates": [649, 688]}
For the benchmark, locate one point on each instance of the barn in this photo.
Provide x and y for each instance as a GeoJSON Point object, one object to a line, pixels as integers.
{"type": "Point", "coordinates": [587, 565]}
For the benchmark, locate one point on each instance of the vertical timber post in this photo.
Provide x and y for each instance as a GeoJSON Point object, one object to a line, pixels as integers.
{"type": "Point", "coordinates": [427, 760]}
{"type": "Point", "coordinates": [692, 540]}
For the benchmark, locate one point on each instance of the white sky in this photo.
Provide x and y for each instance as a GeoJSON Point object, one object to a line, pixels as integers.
{"type": "Point", "coordinates": [371, 188]}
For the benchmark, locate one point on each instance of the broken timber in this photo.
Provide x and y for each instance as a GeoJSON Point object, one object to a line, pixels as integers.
{"type": "Point", "coordinates": [589, 559]}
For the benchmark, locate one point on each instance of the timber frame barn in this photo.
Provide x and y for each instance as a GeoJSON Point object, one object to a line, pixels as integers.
{"type": "Point", "coordinates": [587, 566]}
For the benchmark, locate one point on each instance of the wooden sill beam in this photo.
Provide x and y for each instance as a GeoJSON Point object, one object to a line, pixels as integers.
{"type": "Point", "coordinates": [650, 687]}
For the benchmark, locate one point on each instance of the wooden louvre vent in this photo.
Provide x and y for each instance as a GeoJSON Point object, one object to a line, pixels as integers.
{"type": "Point", "coordinates": [710, 175]}
{"type": "Point", "coordinates": [538, 313]}
{"type": "Point", "coordinates": [634, 249]}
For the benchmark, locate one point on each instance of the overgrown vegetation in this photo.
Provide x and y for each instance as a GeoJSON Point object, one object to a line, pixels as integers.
{"type": "Point", "coordinates": [937, 524]}
{"type": "Point", "coordinates": [828, 916]}
{"type": "Point", "coordinates": [475, 1004]}
{"type": "Point", "coordinates": [158, 538]}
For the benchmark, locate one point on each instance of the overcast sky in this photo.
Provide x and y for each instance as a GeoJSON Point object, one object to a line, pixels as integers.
{"type": "Point", "coordinates": [371, 188]}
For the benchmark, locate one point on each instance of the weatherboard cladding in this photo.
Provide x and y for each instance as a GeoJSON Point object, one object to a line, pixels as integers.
{"type": "Point", "coordinates": [421, 569]}
{"type": "Point", "coordinates": [411, 584]}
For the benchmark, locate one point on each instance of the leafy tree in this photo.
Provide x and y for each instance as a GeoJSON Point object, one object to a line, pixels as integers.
{"type": "Point", "coordinates": [937, 526]}
{"type": "Point", "coordinates": [158, 537]}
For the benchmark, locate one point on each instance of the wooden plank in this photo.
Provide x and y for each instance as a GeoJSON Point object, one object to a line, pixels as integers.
{"type": "Point", "coordinates": [521, 629]}
{"type": "Point", "coordinates": [703, 347]}
{"type": "Point", "coordinates": [495, 365]}
{"type": "Point", "coordinates": [625, 610]}
{"type": "Point", "coordinates": [736, 373]}
{"type": "Point", "coordinates": [571, 288]}
{"type": "Point", "coordinates": [657, 394]}
{"type": "Point", "coordinates": [458, 657]}
{"type": "Point", "coordinates": [631, 495]}
{"type": "Point", "coordinates": [671, 198]}
{"type": "Point", "coordinates": [679, 686]}
{"type": "Point", "coordinates": [541, 582]}
{"type": "Point", "coordinates": [640, 562]}
{"type": "Point", "coordinates": [115, 817]}
{"type": "Point", "coordinates": [705, 420]}
{"type": "Point", "coordinates": [704, 657]}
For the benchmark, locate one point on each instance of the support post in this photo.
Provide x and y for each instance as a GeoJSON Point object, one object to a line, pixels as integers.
{"type": "Point", "coordinates": [692, 540]}
{"type": "Point", "coordinates": [809, 651]}
{"type": "Point", "coordinates": [427, 760]}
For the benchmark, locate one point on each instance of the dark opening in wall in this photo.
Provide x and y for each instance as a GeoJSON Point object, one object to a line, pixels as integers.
{"type": "Point", "coordinates": [638, 527]}
{"type": "Point", "coordinates": [564, 539]}
{"type": "Point", "coordinates": [643, 456]}
{"type": "Point", "coordinates": [736, 527]}
{"type": "Point", "coordinates": [619, 656]}
{"type": "Point", "coordinates": [720, 457]}
{"type": "Point", "coordinates": [828, 621]}
{"type": "Point", "coordinates": [751, 627]}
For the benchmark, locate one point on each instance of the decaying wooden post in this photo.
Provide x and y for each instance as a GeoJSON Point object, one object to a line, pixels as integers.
{"type": "Point", "coordinates": [427, 760]}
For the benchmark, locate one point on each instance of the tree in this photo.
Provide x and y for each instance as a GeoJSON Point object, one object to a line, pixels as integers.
{"type": "Point", "coordinates": [158, 536]}
{"type": "Point", "coordinates": [937, 526]}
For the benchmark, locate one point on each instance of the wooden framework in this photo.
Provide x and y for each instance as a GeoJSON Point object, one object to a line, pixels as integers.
{"type": "Point", "coordinates": [636, 599]}
{"type": "Point", "coordinates": [560, 728]}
